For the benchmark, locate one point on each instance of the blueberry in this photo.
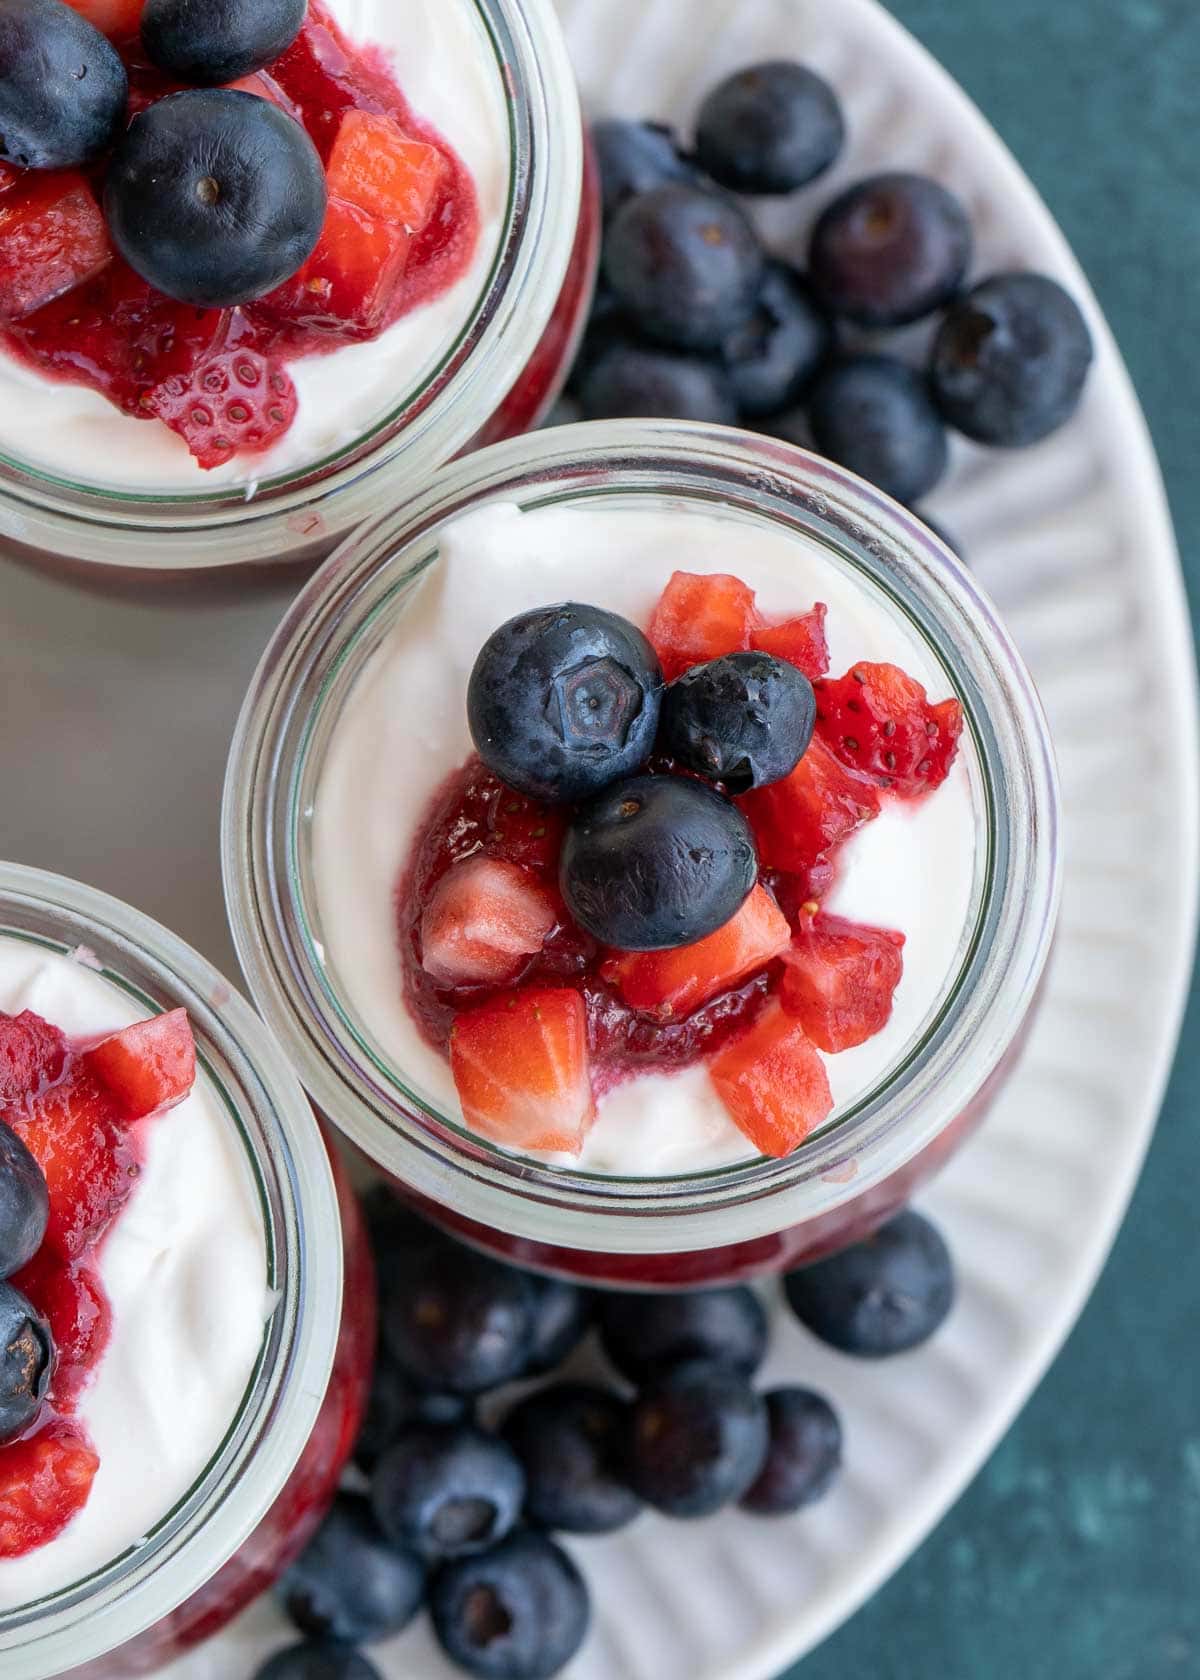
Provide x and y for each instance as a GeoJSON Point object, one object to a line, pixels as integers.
{"type": "Point", "coordinates": [656, 862]}
{"type": "Point", "coordinates": [889, 250]}
{"type": "Point", "coordinates": [63, 88]}
{"type": "Point", "coordinates": [350, 1584]}
{"type": "Point", "coordinates": [24, 1203]}
{"type": "Point", "coordinates": [446, 1492]}
{"type": "Point", "coordinates": [221, 40]}
{"type": "Point", "coordinates": [644, 1335]}
{"type": "Point", "coordinates": [875, 416]}
{"type": "Point", "coordinates": [633, 157]}
{"type": "Point", "coordinates": [685, 264]}
{"type": "Point", "coordinates": [462, 1323]}
{"type": "Point", "coordinates": [698, 1440]}
{"type": "Point", "coordinates": [769, 128]}
{"type": "Point", "coordinates": [215, 196]}
{"type": "Point", "coordinates": [745, 719]}
{"type": "Point", "coordinates": [518, 1612]}
{"type": "Point", "coordinates": [562, 1315]}
{"type": "Point", "coordinates": [564, 700]}
{"type": "Point", "coordinates": [315, 1660]}
{"type": "Point", "coordinates": [1010, 360]}
{"type": "Point", "coordinates": [26, 1361]}
{"type": "Point", "coordinates": [395, 1402]}
{"type": "Point", "coordinates": [773, 355]}
{"type": "Point", "coordinates": [804, 1456]}
{"type": "Point", "coordinates": [640, 381]}
{"type": "Point", "coordinates": [880, 1297]}
{"type": "Point", "coordinates": [571, 1440]}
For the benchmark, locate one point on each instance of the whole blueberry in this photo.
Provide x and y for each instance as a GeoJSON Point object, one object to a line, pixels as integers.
{"type": "Point", "coordinates": [656, 862]}
{"type": "Point", "coordinates": [633, 157]}
{"type": "Point", "coordinates": [215, 196]}
{"type": "Point", "coordinates": [220, 40]}
{"type": "Point", "coordinates": [563, 700]}
{"type": "Point", "coordinates": [447, 1491]}
{"type": "Point", "coordinates": [63, 87]}
{"type": "Point", "coordinates": [518, 1612]}
{"type": "Point", "coordinates": [318, 1660]}
{"type": "Point", "coordinates": [350, 1584]}
{"type": "Point", "coordinates": [875, 416]}
{"type": "Point", "coordinates": [629, 381]}
{"type": "Point", "coordinates": [24, 1203]}
{"type": "Point", "coordinates": [571, 1441]}
{"type": "Point", "coordinates": [464, 1323]}
{"type": "Point", "coordinates": [880, 1297]}
{"type": "Point", "coordinates": [745, 719]}
{"type": "Point", "coordinates": [804, 1456]}
{"type": "Point", "coordinates": [26, 1361]}
{"type": "Point", "coordinates": [395, 1402]}
{"type": "Point", "coordinates": [1010, 360]}
{"type": "Point", "coordinates": [769, 128]}
{"type": "Point", "coordinates": [890, 249]}
{"type": "Point", "coordinates": [645, 1334]}
{"type": "Point", "coordinates": [685, 264]}
{"type": "Point", "coordinates": [562, 1315]}
{"type": "Point", "coordinates": [698, 1440]}
{"type": "Point", "coordinates": [774, 353]}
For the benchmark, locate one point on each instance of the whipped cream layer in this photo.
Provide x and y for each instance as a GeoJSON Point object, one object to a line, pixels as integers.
{"type": "Point", "coordinates": [404, 728]}
{"type": "Point", "coordinates": [185, 1269]}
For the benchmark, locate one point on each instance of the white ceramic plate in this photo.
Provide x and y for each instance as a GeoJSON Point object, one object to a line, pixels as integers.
{"type": "Point", "coordinates": [1074, 541]}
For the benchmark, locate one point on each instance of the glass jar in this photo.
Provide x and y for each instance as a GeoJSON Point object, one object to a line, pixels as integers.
{"type": "Point", "coordinates": [275, 1473]}
{"type": "Point", "coordinates": [705, 1226]}
{"type": "Point", "coordinates": [500, 374]}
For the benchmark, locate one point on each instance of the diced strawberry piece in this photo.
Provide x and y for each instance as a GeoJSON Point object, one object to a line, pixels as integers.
{"type": "Point", "coordinates": [32, 1054]}
{"type": "Point", "coordinates": [263, 86]}
{"type": "Point", "coordinates": [801, 641]}
{"type": "Point", "coordinates": [72, 1299]}
{"type": "Point", "coordinates": [234, 402]}
{"type": "Point", "coordinates": [670, 985]}
{"type": "Point", "coordinates": [796, 821]}
{"type": "Point", "coordinates": [375, 166]}
{"type": "Point", "coordinates": [73, 1131]}
{"type": "Point", "coordinates": [520, 1065]}
{"type": "Point", "coordinates": [773, 1083]}
{"type": "Point", "coordinates": [699, 618]}
{"type": "Point", "coordinates": [839, 980]}
{"type": "Point", "coordinates": [878, 720]}
{"type": "Point", "coordinates": [525, 832]}
{"type": "Point", "coordinates": [148, 1067]}
{"type": "Point", "coordinates": [44, 1481]}
{"type": "Point", "coordinates": [52, 239]}
{"type": "Point", "coordinates": [114, 18]}
{"type": "Point", "coordinates": [350, 279]}
{"type": "Point", "coordinates": [485, 918]}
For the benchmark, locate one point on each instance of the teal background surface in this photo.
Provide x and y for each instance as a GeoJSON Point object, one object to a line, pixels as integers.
{"type": "Point", "coordinates": [1076, 1553]}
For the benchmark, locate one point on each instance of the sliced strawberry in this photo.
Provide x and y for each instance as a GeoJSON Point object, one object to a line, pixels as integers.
{"type": "Point", "coordinates": [44, 1481]}
{"type": "Point", "coordinates": [801, 641]}
{"type": "Point", "coordinates": [796, 821]}
{"type": "Point", "coordinates": [350, 279]}
{"type": "Point", "coordinates": [72, 1299]}
{"type": "Point", "coordinates": [670, 985]}
{"type": "Point", "coordinates": [32, 1054]}
{"type": "Point", "coordinates": [486, 917]}
{"type": "Point", "coordinates": [525, 832]}
{"type": "Point", "coordinates": [375, 166]}
{"type": "Point", "coordinates": [74, 1132]}
{"type": "Point", "coordinates": [114, 18]}
{"type": "Point", "coordinates": [52, 239]}
{"type": "Point", "coordinates": [878, 720]}
{"type": "Point", "coordinates": [773, 1083]}
{"type": "Point", "coordinates": [699, 618]}
{"type": "Point", "coordinates": [520, 1065]}
{"type": "Point", "coordinates": [235, 401]}
{"type": "Point", "coordinates": [149, 1067]}
{"type": "Point", "coordinates": [839, 980]}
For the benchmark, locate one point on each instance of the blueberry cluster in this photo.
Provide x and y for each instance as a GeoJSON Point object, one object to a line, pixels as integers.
{"type": "Point", "coordinates": [694, 320]}
{"type": "Point", "coordinates": [26, 1345]}
{"type": "Point", "coordinates": [462, 1488]}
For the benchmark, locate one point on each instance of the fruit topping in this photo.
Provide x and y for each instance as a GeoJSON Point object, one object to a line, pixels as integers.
{"type": "Point", "coordinates": [447, 1492]}
{"type": "Point", "coordinates": [644, 1335]}
{"type": "Point", "coordinates": [215, 197]}
{"type": "Point", "coordinates": [879, 721]}
{"type": "Point", "coordinates": [26, 1361]}
{"type": "Point", "coordinates": [233, 401]}
{"type": "Point", "coordinates": [52, 240]}
{"type": "Point", "coordinates": [149, 1067]}
{"type": "Point", "coordinates": [570, 1441]}
{"type": "Point", "coordinates": [1010, 360]}
{"type": "Point", "coordinates": [628, 379]}
{"type": "Point", "coordinates": [797, 821]}
{"type": "Point", "coordinates": [483, 920]}
{"type": "Point", "coordinates": [350, 1585]}
{"type": "Point", "coordinates": [462, 1322]}
{"type": "Point", "coordinates": [517, 1612]}
{"type": "Point", "coordinates": [71, 1299]}
{"type": "Point", "coordinates": [879, 1297]}
{"type": "Point", "coordinates": [698, 1439]}
{"type": "Point", "coordinates": [773, 355]}
{"type": "Point", "coordinates": [769, 128]}
{"type": "Point", "coordinates": [804, 1456]}
{"type": "Point", "coordinates": [700, 617]}
{"type": "Point", "coordinates": [33, 1054]}
{"type": "Point", "coordinates": [24, 1203]}
{"type": "Point", "coordinates": [890, 250]}
{"type": "Point", "coordinates": [744, 720]}
{"type": "Point", "coordinates": [375, 166]}
{"type": "Point", "coordinates": [44, 1481]}
{"type": "Point", "coordinates": [656, 862]}
{"type": "Point", "coordinates": [874, 415]}
{"type": "Point", "coordinates": [348, 283]}
{"type": "Point", "coordinates": [773, 1083]}
{"type": "Point", "coordinates": [801, 641]}
{"type": "Point", "coordinates": [73, 1130]}
{"type": "Point", "coordinates": [670, 985]}
{"type": "Point", "coordinates": [840, 979]}
{"type": "Point", "coordinates": [564, 700]}
{"type": "Point", "coordinates": [62, 86]}
{"type": "Point", "coordinates": [220, 40]}
{"type": "Point", "coordinates": [520, 1066]}
{"type": "Point", "coordinates": [120, 20]}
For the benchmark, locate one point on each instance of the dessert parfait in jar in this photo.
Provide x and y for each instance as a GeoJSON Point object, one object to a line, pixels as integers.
{"type": "Point", "coordinates": [644, 843]}
{"type": "Point", "coordinates": [178, 1399]}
